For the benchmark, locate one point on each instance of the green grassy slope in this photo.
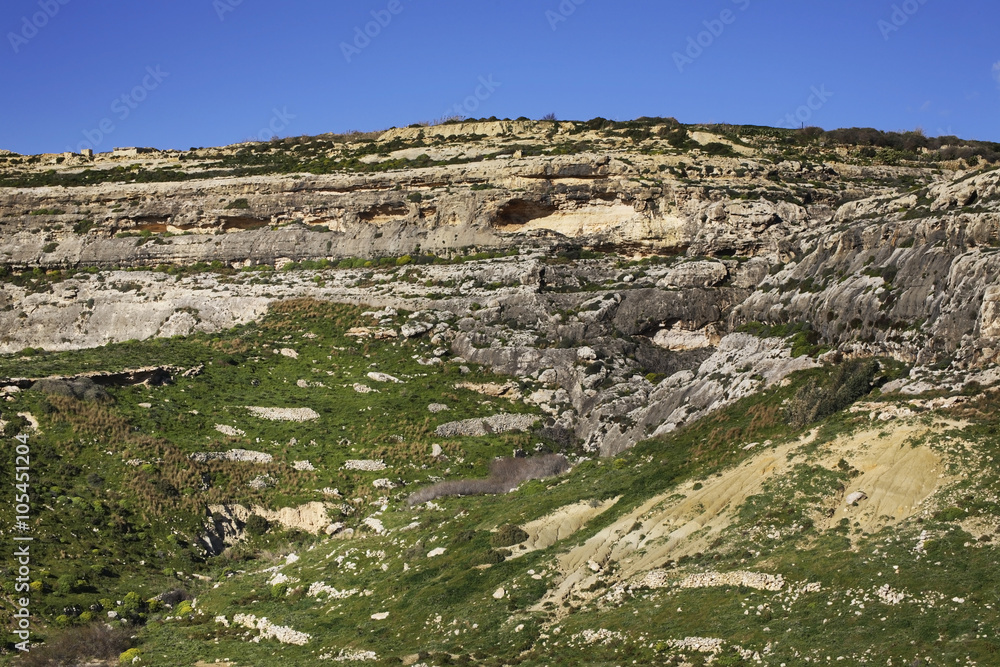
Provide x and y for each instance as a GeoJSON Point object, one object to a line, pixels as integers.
{"type": "Point", "coordinates": [106, 528]}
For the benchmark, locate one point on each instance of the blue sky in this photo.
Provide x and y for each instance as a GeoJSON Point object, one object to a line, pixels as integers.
{"type": "Point", "coordinates": [183, 73]}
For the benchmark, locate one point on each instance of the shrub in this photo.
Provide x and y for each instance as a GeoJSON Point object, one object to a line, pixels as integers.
{"type": "Point", "coordinates": [77, 646]}
{"type": "Point", "coordinates": [847, 384]}
{"type": "Point", "coordinates": [493, 557]}
{"type": "Point", "coordinates": [257, 525]}
{"type": "Point", "coordinates": [720, 149]}
{"type": "Point", "coordinates": [65, 584]}
{"type": "Point", "coordinates": [83, 227]}
{"type": "Point", "coordinates": [238, 204]}
{"type": "Point", "coordinates": [129, 656]}
{"type": "Point", "coordinates": [184, 608]}
{"type": "Point", "coordinates": [132, 603]}
{"type": "Point", "coordinates": [508, 535]}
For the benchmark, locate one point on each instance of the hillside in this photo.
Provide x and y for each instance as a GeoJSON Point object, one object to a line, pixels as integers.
{"type": "Point", "coordinates": [743, 381]}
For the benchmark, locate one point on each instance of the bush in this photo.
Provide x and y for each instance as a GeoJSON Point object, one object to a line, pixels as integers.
{"type": "Point", "coordinates": [257, 525]}
{"type": "Point", "coordinates": [65, 584]}
{"type": "Point", "coordinates": [719, 149]}
{"type": "Point", "coordinates": [508, 535]}
{"type": "Point", "coordinates": [847, 384]}
{"type": "Point", "coordinates": [238, 204]}
{"type": "Point", "coordinates": [83, 227]}
{"type": "Point", "coordinates": [493, 557]}
{"type": "Point", "coordinates": [129, 656]}
{"type": "Point", "coordinates": [132, 604]}
{"type": "Point", "coordinates": [77, 646]}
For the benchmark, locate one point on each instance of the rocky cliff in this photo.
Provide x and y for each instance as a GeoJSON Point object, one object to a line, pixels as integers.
{"type": "Point", "coordinates": [643, 281]}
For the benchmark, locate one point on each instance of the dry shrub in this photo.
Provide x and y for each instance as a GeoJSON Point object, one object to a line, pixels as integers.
{"type": "Point", "coordinates": [79, 646]}
{"type": "Point", "coordinates": [90, 419]}
{"type": "Point", "coordinates": [505, 474]}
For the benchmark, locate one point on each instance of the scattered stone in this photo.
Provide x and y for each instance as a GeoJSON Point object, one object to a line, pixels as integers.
{"type": "Point", "coordinates": [375, 525]}
{"type": "Point", "coordinates": [414, 329]}
{"type": "Point", "coordinates": [365, 465]}
{"type": "Point", "coordinates": [437, 407]}
{"type": "Point", "coordinates": [755, 580]}
{"type": "Point", "coordinates": [499, 594]}
{"type": "Point", "coordinates": [320, 588]}
{"type": "Point", "coordinates": [229, 430]}
{"type": "Point", "coordinates": [269, 630]}
{"type": "Point", "coordinates": [855, 497]}
{"type": "Point", "coordinates": [288, 352]}
{"type": "Point", "coordinates": [262, 482]}
{"type": "Point", "coordinates": [383, 377]}
{"type": "Point", "coordinates": [501, 423]}
{"type": "Point", "coordinates": [381, 616]}
{"type": "Point", "coordinates": [436, 552]}
{"type": "Point", "coordinates": [304, 466]}
{"type": "Point", "coordinates": [284, 414]}
{"type": "Point", "coordinates": [233, 455]}
{"type": "Point", "coordinates": [509, 390]}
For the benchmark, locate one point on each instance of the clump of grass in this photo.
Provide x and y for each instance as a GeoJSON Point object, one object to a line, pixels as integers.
{"type": "Point", "coordinates": [505, 474]}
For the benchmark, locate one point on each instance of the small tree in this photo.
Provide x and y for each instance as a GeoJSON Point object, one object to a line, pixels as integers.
{"type": "Point", "coordinates": [257, 525]}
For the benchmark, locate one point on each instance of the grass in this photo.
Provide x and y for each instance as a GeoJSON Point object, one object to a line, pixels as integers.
{"type": "Point", "coordinates": [437, 569]}
{"type": "Point", "coordinates": [100, 521]}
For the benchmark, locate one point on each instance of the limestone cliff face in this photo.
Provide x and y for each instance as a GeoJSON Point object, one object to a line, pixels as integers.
{"type": "Point", "coordinates": [597, 200]}
{"type": "Point", "coordinates": [877, 260]}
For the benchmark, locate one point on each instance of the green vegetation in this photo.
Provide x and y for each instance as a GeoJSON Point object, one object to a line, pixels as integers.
{"type": "Point", "coordinates": [122, 488]}
{"type": "Point", "coordinates": [439, 567]}
{"type": "Point", "coordinates": [803, 338]}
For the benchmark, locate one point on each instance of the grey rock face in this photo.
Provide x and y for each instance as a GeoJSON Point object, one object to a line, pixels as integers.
{"type": "Point", "coordinates": [876, 260]}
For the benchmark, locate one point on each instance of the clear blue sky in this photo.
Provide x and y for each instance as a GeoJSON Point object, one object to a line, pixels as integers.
{"type": "Point", "coordinates": [223, 79]}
